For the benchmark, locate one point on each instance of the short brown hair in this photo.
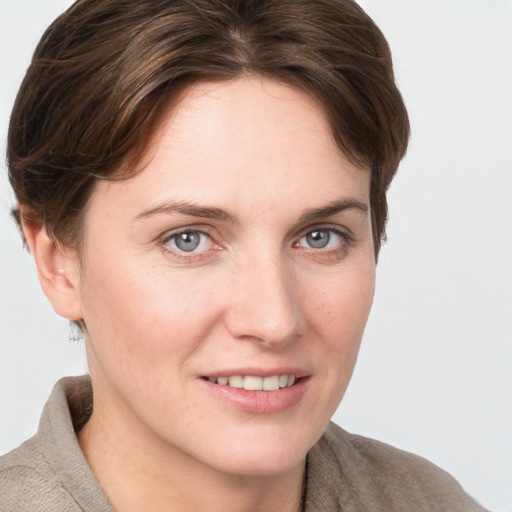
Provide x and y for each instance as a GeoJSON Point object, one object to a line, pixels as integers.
{"type": "Point", "coordinates": [104, 67]}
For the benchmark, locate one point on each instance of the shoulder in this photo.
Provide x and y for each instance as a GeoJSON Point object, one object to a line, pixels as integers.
{"type": "Point", "coordinates": [28, 482]}
{"type": "Point", "coordinates": [389, 463]}
{"type": "Point", "coordinates": [386, 477]}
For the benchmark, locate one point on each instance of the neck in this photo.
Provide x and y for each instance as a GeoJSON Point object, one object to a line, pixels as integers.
{"type": "Point", "coordinates": [140, 472]}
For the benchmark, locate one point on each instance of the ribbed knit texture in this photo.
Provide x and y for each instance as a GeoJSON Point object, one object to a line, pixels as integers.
{"type": "Point", "coordinates": [347, 473]}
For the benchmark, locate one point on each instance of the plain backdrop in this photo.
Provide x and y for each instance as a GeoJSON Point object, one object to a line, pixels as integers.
{"type": "Point", "coordinates": [434, 374]}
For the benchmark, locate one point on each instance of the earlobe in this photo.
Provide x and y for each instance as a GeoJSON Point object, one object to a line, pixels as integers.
{"type": "Point", "coordinates": [57, 267]}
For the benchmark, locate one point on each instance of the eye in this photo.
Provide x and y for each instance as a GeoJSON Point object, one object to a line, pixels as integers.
{"type": "Point", "coordinates": [189, 241]}
{"type": "Point", "coordinates": [324, 238]}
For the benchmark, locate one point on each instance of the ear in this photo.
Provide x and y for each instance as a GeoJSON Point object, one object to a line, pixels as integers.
{"type": "Point", "coordinates": [58, 267]}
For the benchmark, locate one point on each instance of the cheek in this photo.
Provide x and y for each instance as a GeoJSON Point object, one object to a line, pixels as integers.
{"type": "Point", "coordinates": [138, 318]}
{"type": "Point", "coordinates": [337, 313]}
{"type": "Point", "coordinates": [339, 317]}
{"type": "Point", "coordinates": [341, 309]}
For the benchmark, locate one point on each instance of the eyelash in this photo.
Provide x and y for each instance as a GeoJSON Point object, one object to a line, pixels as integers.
{"type": "Point", "coordinates": [327, 255]}
{"type": "Point", "coordinates": [345, 236]}
{"type": "Point", "coordinates": [184, 255]}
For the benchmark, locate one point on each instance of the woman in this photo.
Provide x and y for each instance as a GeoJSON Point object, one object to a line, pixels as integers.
{"type": "Point", "coordinates": [202, 186]}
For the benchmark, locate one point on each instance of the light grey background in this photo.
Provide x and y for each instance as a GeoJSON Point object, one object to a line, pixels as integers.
{"type": "Point", "coordinates": [435, 371]}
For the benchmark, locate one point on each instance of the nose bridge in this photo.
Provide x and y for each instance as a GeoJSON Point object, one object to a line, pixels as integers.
{"type": "Point", "coordinates": [265, 300]}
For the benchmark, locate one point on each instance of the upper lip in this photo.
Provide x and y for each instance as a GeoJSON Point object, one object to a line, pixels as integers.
{"type": "Point", "coordinates": [259, 372]}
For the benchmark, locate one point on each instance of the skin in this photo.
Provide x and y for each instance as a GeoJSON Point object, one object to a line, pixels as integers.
{"type": "Point", "coordinates": [254, 294]}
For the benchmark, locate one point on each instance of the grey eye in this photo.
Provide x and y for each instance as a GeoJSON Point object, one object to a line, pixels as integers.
{"type": "Point", "coordinates": [318, 239]}
{"type": "Point", "coordinates": [187, 242]}
{"type": "Point", "coordinates": [190, 241]}
{"type": "Point", "coordinates": [322, 238]}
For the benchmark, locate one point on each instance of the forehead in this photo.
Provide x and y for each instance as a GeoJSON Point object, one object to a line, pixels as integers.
{"type": "Point", "coordinates": [253, 140]}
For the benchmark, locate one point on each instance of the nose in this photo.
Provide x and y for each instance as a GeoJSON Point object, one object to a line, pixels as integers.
{"type": "Point", "coordinates": [264, 305]}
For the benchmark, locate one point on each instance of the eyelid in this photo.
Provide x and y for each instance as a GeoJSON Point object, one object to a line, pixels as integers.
{"type": "Point", "coordinates": [326, 254]}
{"type": "Point", "coordinates": [168, 235]}
{"type": "Point", "coordinates": [184, 256]}
{"type": "Point", "coordinates": [201, 236]}
{"type": "Point", "coordinates": [335, 228]}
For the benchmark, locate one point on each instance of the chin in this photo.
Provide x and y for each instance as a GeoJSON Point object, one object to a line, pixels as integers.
{"type": "Point", "coordinates": [262, 451]}
{"type": "Point", "coordinates": [261, 464]}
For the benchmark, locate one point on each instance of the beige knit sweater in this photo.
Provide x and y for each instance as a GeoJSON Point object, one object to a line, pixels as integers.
{"type": "Point", "coordinates": [345, 472]}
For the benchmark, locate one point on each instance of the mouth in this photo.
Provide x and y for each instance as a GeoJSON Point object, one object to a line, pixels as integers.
{"type": "Point", "coordinates": [258, 390]}
{"type": "Point", "coordinates": [255, 383]}
{"type": "Point", "coordinates": [257, 394]}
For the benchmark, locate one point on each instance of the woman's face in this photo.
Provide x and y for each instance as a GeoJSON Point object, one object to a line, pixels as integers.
{"type": "Point", "coordinates": [242, 253]}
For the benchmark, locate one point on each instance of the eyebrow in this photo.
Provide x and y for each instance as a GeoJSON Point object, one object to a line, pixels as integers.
{"type": "Point", "coordinates": [187, 208]}
{"type": "Point", "coordinates": [208, 212]}
{"type": "Point", "coordinates": [332, 209]}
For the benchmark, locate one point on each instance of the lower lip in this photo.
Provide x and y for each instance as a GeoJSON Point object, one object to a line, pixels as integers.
{"type": "Point", "coordinates": [259, 402]}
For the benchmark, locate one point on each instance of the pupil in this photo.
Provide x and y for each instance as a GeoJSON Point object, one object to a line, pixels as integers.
{"type": "Point", "coordinates": [318, 239]}
{"type": "Point", "coordinates": [187, 241]}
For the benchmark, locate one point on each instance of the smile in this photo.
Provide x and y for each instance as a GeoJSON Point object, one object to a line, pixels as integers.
{"type": "Point", "coordinates": [257, 394]}
{"type": "Point", "coordinates": [254, 383]}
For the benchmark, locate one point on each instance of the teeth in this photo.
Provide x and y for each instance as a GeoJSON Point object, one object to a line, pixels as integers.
{"type": "Point", "coordinates": [237, 381]}
{"type": "Point", "coordinates": [253, 383]}
{"type": "Point", "coordinates": [271, 383]}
